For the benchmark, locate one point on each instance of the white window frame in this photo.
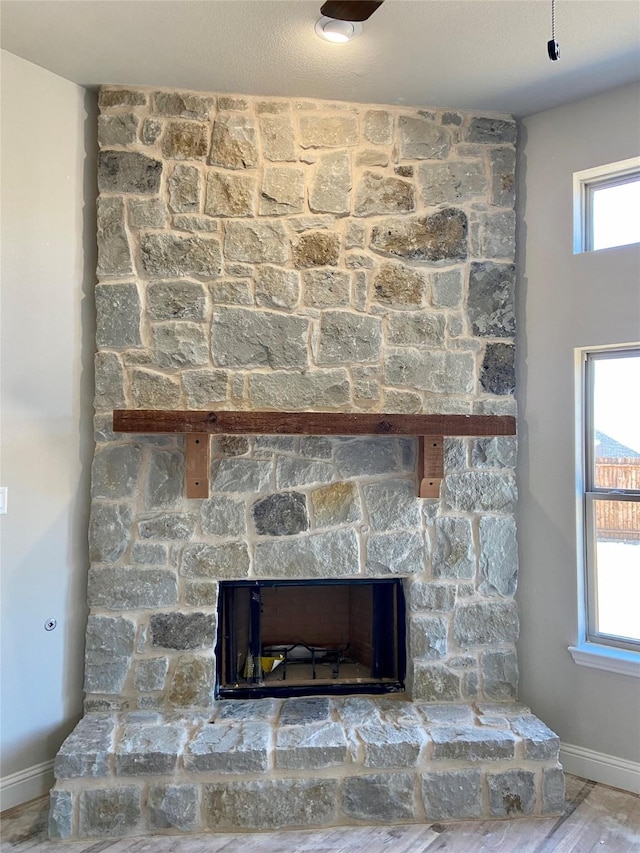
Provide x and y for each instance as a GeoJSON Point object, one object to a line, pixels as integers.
{"type": "Point", "coordinates": [595, 649]}
{"type": "Point", "coordinates": [584, 185]}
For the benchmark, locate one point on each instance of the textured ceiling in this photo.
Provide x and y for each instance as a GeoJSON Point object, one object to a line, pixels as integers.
{"type": "Point", "coordinates": [466, 54]}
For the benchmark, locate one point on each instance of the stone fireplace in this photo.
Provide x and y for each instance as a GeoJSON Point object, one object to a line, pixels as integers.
{"type": "Point", "coordinates": [273, 254]}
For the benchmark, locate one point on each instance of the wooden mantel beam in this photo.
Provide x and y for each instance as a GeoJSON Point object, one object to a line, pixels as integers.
{"type": "Point", "coordinates": [198, 426]}
{"type": "Point", "coordinates": [309, 423]}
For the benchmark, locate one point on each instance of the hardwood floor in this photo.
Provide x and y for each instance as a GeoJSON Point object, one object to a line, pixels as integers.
{"type": "Point", "coordinates": [596, 818]}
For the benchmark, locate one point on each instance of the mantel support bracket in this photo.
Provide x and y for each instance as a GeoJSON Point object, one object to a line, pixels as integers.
{"type": "Point", "coordinates": [430, 465]}
{"type": "Point", "coordinates": [197, 465]}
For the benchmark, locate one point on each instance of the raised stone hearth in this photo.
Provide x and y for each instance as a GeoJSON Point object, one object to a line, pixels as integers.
{"type": "Point", "coordinates": [267, 764]}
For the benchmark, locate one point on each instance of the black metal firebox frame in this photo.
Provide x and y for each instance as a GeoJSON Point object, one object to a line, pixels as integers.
{"type": "Point", "coordinates": [388, 614]}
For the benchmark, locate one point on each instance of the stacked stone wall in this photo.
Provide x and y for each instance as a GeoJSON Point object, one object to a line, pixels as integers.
{"type": "Point", "coordinates": [297, 255]}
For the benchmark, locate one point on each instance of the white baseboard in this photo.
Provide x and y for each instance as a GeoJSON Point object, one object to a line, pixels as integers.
{"type": "Point", "coordinates": [600, 767]}
{"type": "Point", "coordinates": [25, 785]}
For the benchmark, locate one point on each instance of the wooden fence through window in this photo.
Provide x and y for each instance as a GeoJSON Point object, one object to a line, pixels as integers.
{"type": "Point", "coordinates": [618, 519]}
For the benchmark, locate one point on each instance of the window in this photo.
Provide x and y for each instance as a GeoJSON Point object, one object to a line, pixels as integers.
{"type": "Point", "coordinates": [607, 206]}
{"type": "Point", "coordinates": [611, 496]}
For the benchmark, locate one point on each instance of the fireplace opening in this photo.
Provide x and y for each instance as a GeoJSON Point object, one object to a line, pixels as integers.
{"type": "Point", "coordinates": [308, 638]}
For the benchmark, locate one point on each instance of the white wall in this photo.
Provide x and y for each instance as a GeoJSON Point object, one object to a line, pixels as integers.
{"type": "Point", "coordinates": [48, 232]}
{"type": "Point", "coordinates": [567, 301]}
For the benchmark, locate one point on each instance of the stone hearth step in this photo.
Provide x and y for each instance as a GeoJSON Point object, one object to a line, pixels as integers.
{"type": "Point", "coordinates": [308, 762]}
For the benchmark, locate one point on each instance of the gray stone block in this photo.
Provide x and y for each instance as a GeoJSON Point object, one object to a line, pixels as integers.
{"type": "Point", "coordinates": [126, 588]}
{"type": "Point", "coordinates": [428, 595]}
{"type": "Point", "coordinates": [115, 469]}
{"type": "Point", "coordinates": [355, 712]}
{"type": "Point", "coordinates": [174, 807]}
{"type": "Point", "coordinates": [150, 674]}
{"type": "Point", "coordinates": [511, 793]}
{"type": "Point", "coordinates": [147, 749]}
{"type": "Point", "coordinates": [431, 370]}
{"type": "Point", "coordinates": [201, 593]}
{"type": "Point", "coordinates": [192, 683]}
{"type": "Point", "coordinates": [109, 531]}
{"type": "Point", "coordinates": [166, 255]}
{"type": "Point", "coordinates": [288, 391]}
{"type": "Point", "coordinates": [183, 105]}
{"type": "Point", "coordinates": [496, 452]}
{"type": "Point", "coordinates": [282, 192]}
{"type": "Point", "coordinates": [108, 650]}
{"type": "Point", "coordinates": [184, 189]}
{"type": "Point", "coordinates": [428, 636]}
{"type": "Point", "coordinates": [277, 288]}
{"type": "Point", "coordinates": [480, 491]}
{"type": "Point", "coordinates": [120, 97]}
{"type": "Point", "coordinates": [503, 164]}
{"type": "Point", "coordinates": [114, 253]}
{"type": "Point", "coordinates": [486, 622]}
{"type": "Point", "coordinates": [147, 213]}
{"type": "Point", "coordinates": [182, 631]}
{"type": "Point", "coordinates": [296, 712]}
{"type": "Point", "coordinates": [234, 142]}
{"type": "Point", "coordinates": [379, 797]}
{"type": "Point", "coordinates": [151, 130]}
{"type": "Point", "coordinates": [552, 790]}
{"type": "Point", "coordinates": [432, 237]}
{"type": "Point", "coordinates": [176, 300]}
{"type": "Point", "coordinates": [325, 288]}
{"type": "Point", "coordinates": [364, 457]}
{"type": "Point", "coordinates": [328, 131]}
{"type": "Point", "coordinates": [421, 139]}
{"type": "Point", "coordinates": [378, 126]}
{"type": "Point", "coordinates": [389, 745]}
{"type": "Point", "coordinates": [151, 390]}
{"type": "Point", "coordinates": [271, 804]}
{"type": "Point", "coordinates": [291, 472]}
{"type": "Point", "coordinates": [331, 185]}
{"type": "Point", "coordinates": [433, 682]}
{"type": "Point", "coordinates": [452, 182]}
{"type": "Point", "coordinates": [348, 338]}
{"type": "Point", "coordinates": [490, 300]}
{"type": "Point", "coordinates": [421, 329]}
{"type": "Point", "coordinates": [392, 504]}
{"type": "Point", "coordinates": [497, 373]}
{"type": "Point", "coordinates": [221, 516]}
{"type": "Point", "coordinates": [499, 675]}
{"type": "Point", "coordinates": [379, 194]}
{"type": "Point", "coordinates": [282, 514]}
{"type": "Point", "coordinates": [452, 794]}
{"type": "Point", "coordinates": [453, 552]}
{"type": "Point", "coordinates": [337, 503]}
{"type": "Point", "coordinates": [170, 526]}
{"type": "Point", "coordinates": [240, 475]}
{"type": "Point", "coordinates": [204, 388]}
{"type": "Point", "coordinates": [236, 748]}
{"type": "Point", "coordinates": [230, 560]}
{"type": "Point", "coordinates": [128, 172]}
{"type": "Point", "coordinates": [446, 288]}
{"type": "Point", "coordinates": [249, 710]}
{"type": "Point", "coordinates": [492, 130]}
{"type": "Point", "coordinates": [310, 746]}
{"type": "Point", "coordinates": [278, 138]}
{"type": "Point", "coordinates": [472, 744]}
{"type": "Point", "coordinates": [149, 553]}
{"type": "Point", "coordinates": [230, 195]}
{"type": "Point", "coordinates": [87, 750]}
{"type": "Point", "coordinates": [164, 482]}
{"type": "Point", "coordinates": [61, 808]}
{"type": "Point", "coordinates": [539, 741]}
{"type": "Point", "coordinates": [256, 242]}
{"type": "Point", "coordinates": [498, 556]}
{"type": "Point", "coordinates": [109, 382]}
{"type": "Point", "coordinates": [245, 338]}
{"type": "Point", "coordinates": [185, 140]}
{"type": "Point", "coordinates": [110, 812]}
{"type": "Point", "coordinates": [395, 553]}
{"type": "Point", "coordinates": [319, 555]}
{"type": "Point", "coordinates": [117, 315]}
{"type": "Point", "coordinates": [179, 345]}
{"type": "Point", "coordinates": [448, 715]}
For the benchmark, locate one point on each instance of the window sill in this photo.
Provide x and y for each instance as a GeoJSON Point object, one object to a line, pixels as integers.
{"type": "Point", "coordinates": [611, 659]}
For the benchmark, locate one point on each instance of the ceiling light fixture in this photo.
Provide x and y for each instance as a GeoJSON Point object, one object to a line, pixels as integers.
{"type": "Point", "coordinates": [338, 32]}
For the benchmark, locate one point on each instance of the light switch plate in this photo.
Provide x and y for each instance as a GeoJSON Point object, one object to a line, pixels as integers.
{"type": "Point", "coordinates": [4, 496]}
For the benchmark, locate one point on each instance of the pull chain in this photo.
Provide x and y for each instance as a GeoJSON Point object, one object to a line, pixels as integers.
{"type": "Point", "coordinates": [553, 48]}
